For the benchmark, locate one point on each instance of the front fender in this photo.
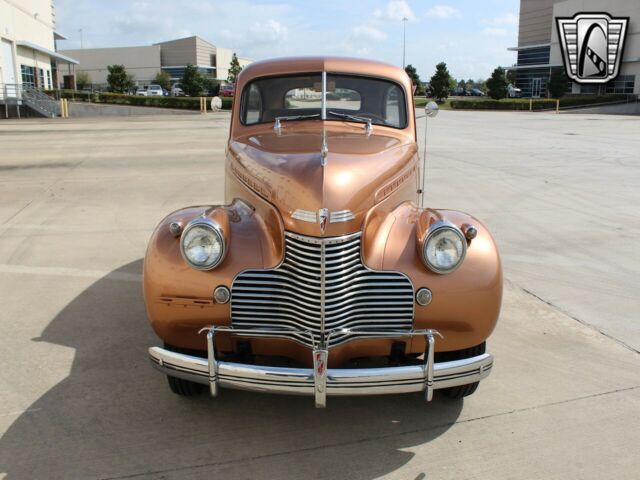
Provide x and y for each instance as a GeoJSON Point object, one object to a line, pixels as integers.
{"type": "Point", "coordinates": [178, 298]}
{"type": "Point", "coordinates": [466, 303]}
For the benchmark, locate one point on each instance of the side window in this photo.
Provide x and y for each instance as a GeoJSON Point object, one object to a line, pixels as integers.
{"type": "Point", "coordinates": [393, 107]}
{"type": "Point", "coordinates": [253, 105]}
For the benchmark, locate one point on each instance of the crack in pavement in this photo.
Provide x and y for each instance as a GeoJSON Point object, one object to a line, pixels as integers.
{"type": "Point", "coordinates": [367, 440]}
{"type": "Point", "coordinates": [581, 322]}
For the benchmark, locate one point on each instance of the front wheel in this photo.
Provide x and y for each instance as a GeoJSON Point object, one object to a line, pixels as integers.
{"type": "Point", "coordinates": [179, 386]}
{"type": "Point", "coordinates": [460, 391]}
{"type": "Point", "coordinates": [184, 388]}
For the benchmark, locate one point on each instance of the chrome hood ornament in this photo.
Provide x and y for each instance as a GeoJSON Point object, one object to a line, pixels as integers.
{"type": "Point", "coordinates": [324, 148]}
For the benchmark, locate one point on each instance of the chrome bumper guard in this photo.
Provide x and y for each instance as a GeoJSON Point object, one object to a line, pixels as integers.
{"type": "Point", "coordinates": [321, 381]}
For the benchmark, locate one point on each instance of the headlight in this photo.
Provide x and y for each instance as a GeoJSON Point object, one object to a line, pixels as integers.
{"type": "Point", "coordinates": [202, 245]}
{"type": "Point", "coordinates": [444, 248]}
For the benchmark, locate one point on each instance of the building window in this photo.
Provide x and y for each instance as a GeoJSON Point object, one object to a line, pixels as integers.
{"type": "Point", "coordinates": [49, 84]}
{"type": "Point", "coordinates": [621, 84]}
{"type": "Point", "coordinates": [41, 83]}
{"type": "Point", "coordinates": [28, 75]}
{"type": "Point", "coordinates": [534, 56]}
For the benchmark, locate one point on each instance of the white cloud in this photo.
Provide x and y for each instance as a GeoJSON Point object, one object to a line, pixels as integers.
{"type": "Point", "coordinates": [395, 10]}
{"type": "Point", "coordinates": [443, 11]}
{"type": "Point", "coordinates": [270, 31]}
{"type": "Point", "coordinates": [495, 31]}
{"type": "Point", "coordinates": [368, 33]}
{"type": "Point", "coordinates": [506, 19]}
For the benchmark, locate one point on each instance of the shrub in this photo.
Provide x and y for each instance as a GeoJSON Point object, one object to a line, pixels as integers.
{"type": "Point", "coordinates": [440, 82]}
{"type": "Point", "coordinates": [497, 84]}
{"type": "Point", "coordinates": [118, 79]}
{"type": "Point", "coordinates": [557, 83]}
{"type": "Point", "coordinates": [163, 79]}
{"type": "Point", "coordinates": [184, 103]}
{"type": "Point", "coordinates": [536, 104]}
{"type": "Point", "coordinates": [192, 82]}
{"type": "Point", "coordinates": [83, 79]}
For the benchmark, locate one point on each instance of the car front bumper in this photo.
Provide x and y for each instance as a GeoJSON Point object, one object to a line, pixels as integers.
{"type": "Point", "coordinates": [320, 381]}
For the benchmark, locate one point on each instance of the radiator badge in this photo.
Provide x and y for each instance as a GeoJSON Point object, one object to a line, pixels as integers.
{"type": "Point", "coordinates": [592, 46]}
{"type": "Point", "coordinates": [323, 216]}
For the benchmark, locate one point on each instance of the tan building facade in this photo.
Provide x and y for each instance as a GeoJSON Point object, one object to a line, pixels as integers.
{"type": "Point", "coordinates": [141, 62]}
{"type": "Point", "coordinates": [145, 62]}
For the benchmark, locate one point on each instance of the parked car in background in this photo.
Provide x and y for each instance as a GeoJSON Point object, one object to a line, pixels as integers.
{"type": "Point", "coordinates": [142, 91]}
{"type": "Point", "coordinates": [322, 272]}
{"type": "Point", "coordinates": [476, 92]}
{"type": "Point", "coordinates": [154, 91]}
{"type": "Point", "coordinates": [513, 92]}
{"type": "Point", "coordinates": [227, 90]}
{"type": "Point", "coordinates": [176, 90]}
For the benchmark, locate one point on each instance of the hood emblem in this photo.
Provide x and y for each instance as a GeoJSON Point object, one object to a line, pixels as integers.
{"type": "Point", "coordinates": [323, 216]}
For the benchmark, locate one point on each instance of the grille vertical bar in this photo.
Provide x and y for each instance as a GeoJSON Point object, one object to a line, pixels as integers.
{"type": "Point", "coordinates": [320, 286]}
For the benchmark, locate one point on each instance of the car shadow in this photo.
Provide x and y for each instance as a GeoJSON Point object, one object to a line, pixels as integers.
{"type": "Point", "coordinates": [114, 416]}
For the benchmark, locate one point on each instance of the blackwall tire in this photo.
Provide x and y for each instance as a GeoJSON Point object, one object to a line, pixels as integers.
{"type": "Point", "coordinates": [461, 391]}
{"type": "Point", "coordinates": [184, 388]}
{"type": "Point", "coordinates": [179, 386]}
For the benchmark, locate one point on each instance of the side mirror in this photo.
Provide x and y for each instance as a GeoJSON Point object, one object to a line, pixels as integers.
{"type": "Point", "coordinates": [431, 109]}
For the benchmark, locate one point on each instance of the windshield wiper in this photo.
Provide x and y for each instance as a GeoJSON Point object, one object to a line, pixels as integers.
{"type": "Point", "coordinates": [276, 125]}
{"type": "Point", "coordinates": [355, 118]}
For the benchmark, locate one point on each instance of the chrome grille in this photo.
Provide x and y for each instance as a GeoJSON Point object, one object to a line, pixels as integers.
{"type": "Point", "coordinates": [321, 286]}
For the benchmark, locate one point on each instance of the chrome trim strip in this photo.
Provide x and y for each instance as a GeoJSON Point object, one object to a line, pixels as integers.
{"type": "Point", "coordinates": [305, 216]}
{"type": "Point", "coordinates": [341, 216]}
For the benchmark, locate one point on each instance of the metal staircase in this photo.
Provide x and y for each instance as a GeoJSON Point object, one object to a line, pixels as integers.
{"type": "Point", "coordinates": [26, 95]}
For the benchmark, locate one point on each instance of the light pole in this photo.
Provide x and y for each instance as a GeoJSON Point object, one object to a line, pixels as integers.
{"type": "Point", "coordinates": [80, 38]}
{"type": "Point", "coordinates": [404, 39]}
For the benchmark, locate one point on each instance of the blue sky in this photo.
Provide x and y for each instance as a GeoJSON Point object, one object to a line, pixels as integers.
{"type": "Point", "coordinates": [470, 36]}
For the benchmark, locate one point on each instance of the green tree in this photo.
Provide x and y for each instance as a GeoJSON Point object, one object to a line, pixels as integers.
{"type": "Point", "coordinates": [118, 79]}
{"type": "Point", "coordinates": [415, 79]}
{"type": "Point", "coordinates": [441, 82]}
{"type": "Point", "coordinates": [497, 84]}
{"type": "Point", "coordinates": [192, 82]}
{"type": "Point", "coordinates": [557, 83]}
{"type": "Point", "coordinates": [211, 86]}
{"type": "Point", "coordinates": [234, 69]}
{"type": "Point", "coordinates": [83, 79]}
{"type": "Point", "coordinates": [511, 76]}
{"type": "Point", "coordinates": [163, 79]}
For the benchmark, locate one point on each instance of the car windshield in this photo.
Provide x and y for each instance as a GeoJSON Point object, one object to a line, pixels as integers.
{"type": "Point", "coordinates": [347, 97]}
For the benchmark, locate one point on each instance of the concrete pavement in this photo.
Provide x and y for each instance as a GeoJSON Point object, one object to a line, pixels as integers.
{"type": "Point", "coordinates": [78, 399]}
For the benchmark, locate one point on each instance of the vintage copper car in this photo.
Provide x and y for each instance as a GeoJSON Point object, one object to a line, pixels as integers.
{"type": "Point", "coordinates": [322, 274]}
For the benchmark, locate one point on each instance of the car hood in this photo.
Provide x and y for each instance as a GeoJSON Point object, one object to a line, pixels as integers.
{"type": "Point", "coordinates": [356, 171]}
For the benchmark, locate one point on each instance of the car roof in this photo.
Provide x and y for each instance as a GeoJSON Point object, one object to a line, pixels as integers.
{"type": "Point", "coordinates": [289, 65]}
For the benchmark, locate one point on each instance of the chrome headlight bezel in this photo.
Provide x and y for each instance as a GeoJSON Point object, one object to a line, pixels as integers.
{"type": "Point", "coordinates": [435, 230]}
{"type": "Point", "coordinates": [215, 230]}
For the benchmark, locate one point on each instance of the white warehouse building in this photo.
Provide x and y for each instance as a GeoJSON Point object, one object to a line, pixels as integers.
{"type": "Point", "coordinates": [27, 51]}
